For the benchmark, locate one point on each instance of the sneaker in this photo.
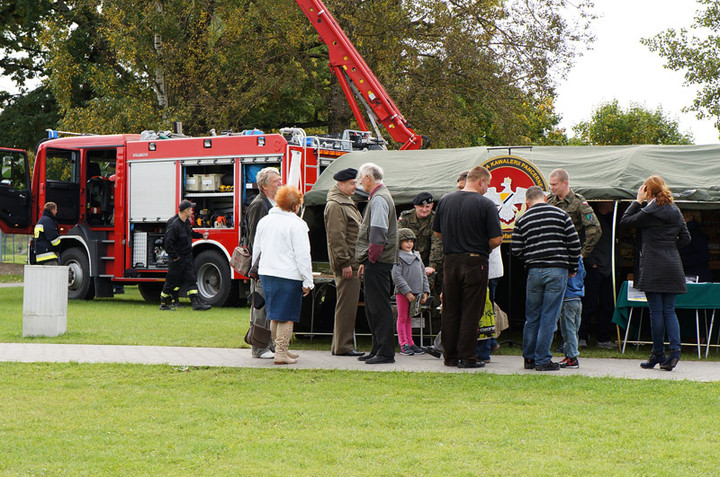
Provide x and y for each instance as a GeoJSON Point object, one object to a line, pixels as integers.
{"type": "Point", "coordinates": [571, 363]}
{"type": "Point", "coordinates": [529, 363]}
{"type": "Point", "coordinates": [416, 349]}
{"type": "Point", "coordinates": [582, 343]}
{"type": "Point", "coordinates": [405, 350]}
{"type": "Point", "coordinates": [606, 345]}
{"type": "Point", "coordinates": [549, 366]}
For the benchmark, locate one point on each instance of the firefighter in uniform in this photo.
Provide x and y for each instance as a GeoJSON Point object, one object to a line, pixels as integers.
{"type": "Point", "coordinates": [47, 236]}
{"type": "Point", "coordinates": [181, 270]}
{"type": "Point", "coordinates": [419, 219]}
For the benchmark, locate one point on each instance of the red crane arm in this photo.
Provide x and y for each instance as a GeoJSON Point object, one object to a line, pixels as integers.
{"type": "Point", "coordinates": [353, 73]}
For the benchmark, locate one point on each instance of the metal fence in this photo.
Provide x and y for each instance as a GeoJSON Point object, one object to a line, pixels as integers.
{"type": "Point", "coordinates": [13, 248]}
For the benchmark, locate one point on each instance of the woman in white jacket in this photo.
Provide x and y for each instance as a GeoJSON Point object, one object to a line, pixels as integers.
{"type": "Point", "coordinates": [285, 269]}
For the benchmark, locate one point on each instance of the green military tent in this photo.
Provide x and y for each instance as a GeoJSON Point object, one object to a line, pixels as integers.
{"type": "Point", "coordinates": [597, 172]}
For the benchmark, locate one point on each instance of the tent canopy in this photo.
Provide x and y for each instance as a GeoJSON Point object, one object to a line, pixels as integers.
{"type": "Point", "coordinates": [597, 172]}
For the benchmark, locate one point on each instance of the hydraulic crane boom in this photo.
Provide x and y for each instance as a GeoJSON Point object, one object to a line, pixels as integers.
{"type": "Point", "coordinates": [357, 79]}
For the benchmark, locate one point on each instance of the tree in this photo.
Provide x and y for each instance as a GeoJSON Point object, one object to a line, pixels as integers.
{"type": "Point", "coordinates": [25, 117]}
{"type": "Point", "coordinates": [611, 125]}
{"type": "Point", "coordinates": [698, 56]}
{"type": "Point", "coordinates": [463, 72]}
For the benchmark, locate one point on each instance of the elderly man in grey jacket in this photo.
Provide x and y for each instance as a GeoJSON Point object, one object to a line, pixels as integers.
{"type": "Point", "coordinates": [377, 251]}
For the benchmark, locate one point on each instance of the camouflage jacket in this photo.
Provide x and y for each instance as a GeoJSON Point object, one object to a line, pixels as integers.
{"type": "Point", "coordinates": [427, 244]}
{"type": "Point", "coordinates": [583, 218]}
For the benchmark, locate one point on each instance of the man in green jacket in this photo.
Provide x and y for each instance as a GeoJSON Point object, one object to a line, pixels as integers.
{"type": "Point", "coordinates": [342, 223]}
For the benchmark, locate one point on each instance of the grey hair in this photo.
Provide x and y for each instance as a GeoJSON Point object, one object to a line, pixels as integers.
{"type": "Point", "coordinates": [263, 177]}
{"type": "Point", "coordinates": [534, 193]}
{"type": "Point", "coordinates": [371, 169]}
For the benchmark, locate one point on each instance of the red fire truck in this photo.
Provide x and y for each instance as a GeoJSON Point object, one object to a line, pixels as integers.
{"type": "Point", "coordinates": [115, 193]}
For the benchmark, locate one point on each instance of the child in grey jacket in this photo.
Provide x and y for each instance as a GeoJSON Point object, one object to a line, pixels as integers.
{"type": "Point", "coordinates": [411, 289]}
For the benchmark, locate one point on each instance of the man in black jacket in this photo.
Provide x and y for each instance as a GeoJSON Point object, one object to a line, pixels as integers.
{"type": "Point", "coordinates": [178, 245]}
{"type": "Point", "coordinates": [47, 236]}
{"type": "Point", "coordinates": [268, 181]}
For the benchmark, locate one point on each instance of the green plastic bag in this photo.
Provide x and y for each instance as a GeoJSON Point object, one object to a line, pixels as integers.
{"type": "Point", "coordinates": [486, 327]}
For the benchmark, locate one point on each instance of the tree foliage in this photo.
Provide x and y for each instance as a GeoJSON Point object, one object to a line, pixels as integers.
{"type": "Point", "coordinates": [463, 72]}
{"type": "Point", "coordinates": [25, 118]}
{"type": "Point", "coordinates": [612, 125]}
{"type": "Point", "coordinates": [697, 53]}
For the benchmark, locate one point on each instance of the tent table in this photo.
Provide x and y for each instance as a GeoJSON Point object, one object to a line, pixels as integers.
{"type": "Point", "coordinates": [700, 296]}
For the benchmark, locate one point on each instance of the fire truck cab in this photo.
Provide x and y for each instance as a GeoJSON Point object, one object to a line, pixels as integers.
{"type": "Point", "coordinates": [115, 194]}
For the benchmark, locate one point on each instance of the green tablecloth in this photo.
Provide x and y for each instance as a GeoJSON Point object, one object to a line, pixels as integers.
{"type": "Point", "coordinates": [699, 296]}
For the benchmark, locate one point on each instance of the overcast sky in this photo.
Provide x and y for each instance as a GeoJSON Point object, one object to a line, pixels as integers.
{"type": "Point", "coordinates": [621, 68]}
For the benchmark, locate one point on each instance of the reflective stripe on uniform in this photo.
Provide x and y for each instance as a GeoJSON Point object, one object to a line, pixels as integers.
{"type": "Point", "coordinates": [46, 256]}
{"type": "Point", "coordinates": [56, 242]}
{"type": "Point", "coordinates": [39, 228]}
{"type": "Point", "coordinates": [192, 292]}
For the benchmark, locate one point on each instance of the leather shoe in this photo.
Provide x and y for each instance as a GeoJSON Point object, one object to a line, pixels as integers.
{"type": "Point", "coordinates": [380, 360]}
{"type": "Point", "coordinates": [432, 351]}
{"type": "Point", "coordinates": [352, 352]}
{"type": "Point", "coordinates": [470, 364]}
{"type": "Point", "coordinates": [365, 357]}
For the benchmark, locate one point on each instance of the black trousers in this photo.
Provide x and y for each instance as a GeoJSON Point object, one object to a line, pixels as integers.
{"type": "Point", "coordinates": [180, 274]}
{"type": "Point", "coordinates": [464, 292]}
{"type": "Point", "coordinates": [598, 301]}
{"type": "Point", "coordinates": [378, 289]}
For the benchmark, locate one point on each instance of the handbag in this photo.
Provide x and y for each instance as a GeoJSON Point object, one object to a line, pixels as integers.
{"type": "Point", "coordinates": [241, 260]}
{"type": "Point", "coordinates": [257, 336]}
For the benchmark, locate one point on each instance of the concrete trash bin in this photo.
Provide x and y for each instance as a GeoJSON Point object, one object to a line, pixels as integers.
{"type": "Point", "coordinates": [45, 298]}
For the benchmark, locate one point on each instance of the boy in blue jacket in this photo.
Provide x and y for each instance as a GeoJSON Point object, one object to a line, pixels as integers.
{"type": "Point", "coordinates": [570, 317]}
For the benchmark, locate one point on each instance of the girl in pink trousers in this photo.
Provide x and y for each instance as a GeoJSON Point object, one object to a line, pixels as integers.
{"type": "Point", "coordinates": [411, 290]}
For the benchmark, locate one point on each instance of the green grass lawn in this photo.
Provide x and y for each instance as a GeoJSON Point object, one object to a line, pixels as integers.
{"type": "Point", "coordinates": [159, 420]}
{"type": "Point", "coordinates": [104, 419]}
{"type": "Point", "coordinates": [128, 320]}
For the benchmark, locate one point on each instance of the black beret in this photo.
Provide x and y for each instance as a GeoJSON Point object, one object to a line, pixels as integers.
{"type": "Point", "coordinates": [423, 198]}
{"type": "Point", "coordinates": [345, 174]}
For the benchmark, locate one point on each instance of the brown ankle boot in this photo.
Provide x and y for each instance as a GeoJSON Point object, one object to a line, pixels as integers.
{"type": "Point", "coordinates": [282, 341]}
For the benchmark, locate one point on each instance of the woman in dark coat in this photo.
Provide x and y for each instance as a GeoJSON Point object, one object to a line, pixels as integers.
{"type": "Point", "coordinates": [659, 271]}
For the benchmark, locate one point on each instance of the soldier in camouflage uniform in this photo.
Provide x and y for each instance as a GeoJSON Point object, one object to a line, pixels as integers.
{"type": "Point", "coordinates": [419, 219]}
{"type": "Point", "coordinates": [583, 217]}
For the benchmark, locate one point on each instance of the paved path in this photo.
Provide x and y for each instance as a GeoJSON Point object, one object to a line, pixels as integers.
{"type": "Point", "coordinates": [11, 285]}
{"type": "Point", "coordinates": [241, 358]}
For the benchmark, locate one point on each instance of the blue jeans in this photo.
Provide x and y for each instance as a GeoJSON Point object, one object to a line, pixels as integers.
{"type": "Point", "coordinates": [570, 317]}
{"type": "Point", "coordinates": [544, 296]}
{"type": "Point", "coordinates": [663, 318]}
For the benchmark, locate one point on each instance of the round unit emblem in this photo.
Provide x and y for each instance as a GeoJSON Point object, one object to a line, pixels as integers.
{"type": "Point", "coordinates": [511, 177]}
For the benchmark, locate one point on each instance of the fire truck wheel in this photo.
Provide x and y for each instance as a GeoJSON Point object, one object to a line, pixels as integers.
{"type": "Point", "coordinates": [213, 277]}
{"type": "Point", "coordinates": [150, 291]}
{"type": "Point", "coordinates": [80, 284]}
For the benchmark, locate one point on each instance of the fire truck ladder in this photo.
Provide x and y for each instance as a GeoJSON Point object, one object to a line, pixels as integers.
{"type": "Point", "coordinates": [357, 79]}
